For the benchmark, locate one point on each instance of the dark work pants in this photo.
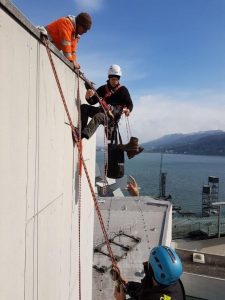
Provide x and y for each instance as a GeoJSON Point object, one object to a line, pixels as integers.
{"type": "Point", "coordinates": [97, 115]}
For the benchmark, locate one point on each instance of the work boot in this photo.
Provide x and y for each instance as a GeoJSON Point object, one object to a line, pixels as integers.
{"type": "Point", "coordinates": [131, 146]}
{"type": "Point", "coordinates": [131, 154]}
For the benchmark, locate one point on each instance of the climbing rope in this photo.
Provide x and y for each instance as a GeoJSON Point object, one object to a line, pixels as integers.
{"type": "Point", "coordinates": [76, 139]}
{"type": "Point", "coordinates": [128, 129]}
{"type": "Point", "coordinates": [89, 85]}
{"type": "Point", "coordinates": [104, 188]}
{"type": "Point", "coordinates": [79, 183]}
{"type": "Point", "coordinates": [79, 121]}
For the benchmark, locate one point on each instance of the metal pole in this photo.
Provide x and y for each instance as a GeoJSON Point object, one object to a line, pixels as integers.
{"type": "Point", "coordinates": [219, 216]}
{"type": "Point", "coordinates": [160, 176]}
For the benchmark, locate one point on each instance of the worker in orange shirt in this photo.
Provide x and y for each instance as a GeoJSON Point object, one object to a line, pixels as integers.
{"type": "Point", "coordinates": [65, 32]}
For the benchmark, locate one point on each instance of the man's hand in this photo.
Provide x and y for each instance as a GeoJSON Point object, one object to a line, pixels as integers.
{"type": "Point", "coordinates": [126, 111]}
{"type": "Point", "coordinates": [89, 93]}
{"type": "Point", "coordinates": [76, 65]}
{"type": "Point", "coordinates": [119, 293]}
{"type": "Point", "coordinates": [42, 30]}
{"type": "Point", "coordinates": [132, 187]}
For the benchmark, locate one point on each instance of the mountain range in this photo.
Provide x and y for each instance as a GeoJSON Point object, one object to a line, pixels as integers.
{"type": "Point", "coordinates": [211, 142]}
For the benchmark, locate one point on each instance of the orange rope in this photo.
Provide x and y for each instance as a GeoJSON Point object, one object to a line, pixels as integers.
{"type": "Point", "coordinates": [76, 138]}
{"type": "Point", "coordinates": [79, 121]}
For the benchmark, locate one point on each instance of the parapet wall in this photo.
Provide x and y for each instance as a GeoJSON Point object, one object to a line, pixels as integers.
{"type": "Point", "coordinates": [205, 279]}
{"type": "Point", "coordinates": [211, 265]}
{"type": "Point", "coordinates": [39, 179]}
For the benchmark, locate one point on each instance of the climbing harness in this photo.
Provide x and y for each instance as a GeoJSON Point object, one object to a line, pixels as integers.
{"type": "Point", "coordinates": [104, 100]}
{"type": "Point", "coordinates": [105, 106]}
{"type": "Point", "coordinates": [76, 139]}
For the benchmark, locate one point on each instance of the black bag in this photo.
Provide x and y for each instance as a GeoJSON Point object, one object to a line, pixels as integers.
{"type": "Point", "coordinates": [115, 167]}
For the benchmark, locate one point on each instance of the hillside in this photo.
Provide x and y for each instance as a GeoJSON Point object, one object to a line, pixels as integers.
{"type": "Point", "coordinates": [202, 143]}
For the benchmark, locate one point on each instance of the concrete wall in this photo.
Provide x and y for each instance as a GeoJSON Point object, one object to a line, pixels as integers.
{"type": "Point", "coordinates": [39, 180]}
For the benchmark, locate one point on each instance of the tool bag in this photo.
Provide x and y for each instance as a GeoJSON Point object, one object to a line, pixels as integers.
{"type": "Point", "coordinates": [115, 167]}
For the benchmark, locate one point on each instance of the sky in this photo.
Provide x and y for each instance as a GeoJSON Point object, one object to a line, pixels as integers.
{"type": "Point", "coordinates": [172, 55]}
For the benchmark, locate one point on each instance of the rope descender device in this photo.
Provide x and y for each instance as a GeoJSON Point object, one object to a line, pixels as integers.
{"type": "Point", "coordinates": [115, 276]}
{"type": "Point", "coordinates": [119, 282]}
{"type": "Point", "coordinates": [105, 106]}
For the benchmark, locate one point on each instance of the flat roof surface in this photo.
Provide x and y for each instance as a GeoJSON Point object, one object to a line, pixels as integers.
{"type": "Point", "coordinates": [214, 246]}
{"type": "Point", "coordinates": [135, 225]}
{"type": "Point", "coordinates": [209, 265]}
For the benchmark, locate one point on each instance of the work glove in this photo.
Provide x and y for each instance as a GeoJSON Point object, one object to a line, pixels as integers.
{"type": "Point", "coordinates": [42, 30]}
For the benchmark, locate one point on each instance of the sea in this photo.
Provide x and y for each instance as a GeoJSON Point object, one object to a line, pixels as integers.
{"type": "Point", "coordinates": [185, 176]}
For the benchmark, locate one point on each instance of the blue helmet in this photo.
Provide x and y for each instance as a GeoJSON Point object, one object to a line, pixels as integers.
{"type": "Point", "coordinates": [166, 265]}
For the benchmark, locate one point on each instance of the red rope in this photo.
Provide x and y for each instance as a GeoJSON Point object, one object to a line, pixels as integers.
{"type": "Point", "coordinates": [76, 138]}
{"type": "Point", "coordinates": [105, 155]}
{"type": "Point", "coordinates": [79, 121]}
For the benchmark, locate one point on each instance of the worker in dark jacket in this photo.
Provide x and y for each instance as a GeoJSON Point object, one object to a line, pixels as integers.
{"type": "Point", "coordinates": [161, 281]}
{"type": "Point", "coordinates": [115, 96]}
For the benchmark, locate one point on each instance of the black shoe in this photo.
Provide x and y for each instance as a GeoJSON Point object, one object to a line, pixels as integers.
{"type": "Point", "coordinates": [84, 136]}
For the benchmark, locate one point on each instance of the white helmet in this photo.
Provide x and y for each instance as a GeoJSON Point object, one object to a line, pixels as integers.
{"type": "Point", "coordinates": [115, 70]}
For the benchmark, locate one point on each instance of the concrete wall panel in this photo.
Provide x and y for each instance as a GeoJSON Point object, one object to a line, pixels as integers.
{"type": "Point", "coordinates": [39, 178]}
